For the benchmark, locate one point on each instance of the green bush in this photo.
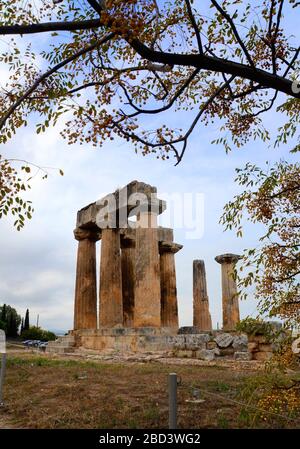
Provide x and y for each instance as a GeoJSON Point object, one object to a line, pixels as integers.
{"type": "Point", "coordinates": [36, 333]}
{"type": "Point", "coordinates": [255, 326]}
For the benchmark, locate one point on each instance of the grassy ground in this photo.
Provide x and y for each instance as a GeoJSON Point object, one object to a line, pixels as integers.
{"type": "Point", "coordinates": [44, 392]}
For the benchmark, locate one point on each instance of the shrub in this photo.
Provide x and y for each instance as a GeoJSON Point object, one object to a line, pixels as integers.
{"type": "Point", "coordinates": [255, 326]}
{"type": "Point", "coordinates": [36, 333]}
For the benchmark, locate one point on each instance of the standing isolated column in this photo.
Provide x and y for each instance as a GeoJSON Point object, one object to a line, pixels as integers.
{"type": "Point", "coordinates": [201, 315]}
{"type": "Point", "coordinates": [85, 308]}
{"type": "Point", "coordinates": [111, 302]}
{"type": "Point", "coordinates": [169, 307]}
{"type": "Point", "coordinates": [128, 280]}
{"type": "Point", "coordinates": [147, 307]}
{"type": "Point", "coordinates": [230, 300]}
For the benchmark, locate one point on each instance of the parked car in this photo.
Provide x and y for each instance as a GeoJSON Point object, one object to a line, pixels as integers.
{"type": "Point", "coordinates": [28, 343]}
{"type": "Point", "coordinates": [35, 343]}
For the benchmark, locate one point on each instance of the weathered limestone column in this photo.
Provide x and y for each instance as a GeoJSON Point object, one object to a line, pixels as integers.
{"type": "Point", "coordinates": [169, 307]}
{"type": "Point", "coordinates": [201, 315]}
{"type": "Point", "coordinates": [111, 302]}
{"type": "Point", "coordinates": [85, 308]}
{"type": "Point", "coordinates": [128, 280]}
{"type": "Point", "coordinates": [147, 307]}
{"type": "Point", "coordinates": [230, 301]}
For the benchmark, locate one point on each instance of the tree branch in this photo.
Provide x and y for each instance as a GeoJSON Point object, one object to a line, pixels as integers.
{"type": "Point", "coordinates": [194, 24]}
{"type": "Point", "coordinates": [201, 111]}
{"type": "Point", "coordinates": [201, 61]}
{"type": "Point", "coordinates": [287, 278]}
{"type": "Point", "coordinates": [235, 32]}
{"type": "Point", "coordinates": [49, 26]}
{"type": "Point", "coordinates": [98, 7]}
{"type": "Point", "coordinates": [167, 106]}
{"type": "Point", "coordinates": [215, 64]}
{"type": "Point", "coordinates": [49, 72]}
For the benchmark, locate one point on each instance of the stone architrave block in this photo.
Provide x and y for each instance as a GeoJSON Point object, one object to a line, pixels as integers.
{"type": "Point", "coordinates": [224, 340]}
{"type": "Point", "coordinates": [240, 343]}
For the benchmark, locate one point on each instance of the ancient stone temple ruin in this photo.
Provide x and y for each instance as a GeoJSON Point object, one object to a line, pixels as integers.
{"type": "Point", "coordinates": [137, 266]}
{"type": "Point", "coordinates": [134, 307]}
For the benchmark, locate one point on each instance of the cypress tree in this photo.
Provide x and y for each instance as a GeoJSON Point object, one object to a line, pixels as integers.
{"type": "Point", "coordinates": [26, 322]}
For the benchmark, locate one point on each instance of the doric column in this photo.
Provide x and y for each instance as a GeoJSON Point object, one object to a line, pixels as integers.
{"type": "Point", "coordinates": [128, 280]}
{"type": "Point", "coordinates": [147, 307]}
{"type": "Point", "coordinates": [111, 302]}
{"type": "Point", "coordinates": [85, 308]}
{"type": "Point", "coordinates": [230, 301]}
{"type": "Point", "coordinates": [201, 315]}
{"type": "Point", "coordinates": [169, 307]}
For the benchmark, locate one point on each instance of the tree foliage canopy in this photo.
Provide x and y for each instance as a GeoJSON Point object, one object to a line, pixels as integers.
{"type": "Point", "coordinates": [109, 67]}
{"type": "Point", "coordinates": [9, 320]}
{"type": "Point", "coordinates": [272, 199]}
{"type": "Point", "coordinates": [123, 61]}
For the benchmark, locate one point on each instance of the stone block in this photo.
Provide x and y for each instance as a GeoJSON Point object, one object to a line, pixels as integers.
{"type": "Point", "coordinates": [242, 355]}
{"type": "Point", "coordinates": [205, 354]}
{"type": "Point", "coordinates": [252, 346]}
{"type": "Point", "coordinates": [184, 354]}
{"type": "Point", "coordinates": [118, 331]}
{"type": "Point", "coordinates": [240, 343]}
{"type": "Point", "coordinates": [211, 345]}
{"type": "Point", "coordinates": [224, 340]}
{"type": "Point", "coordinates": [176, 342]}
{"type": "Point", "coordinates": [188, 330]}
{"type": "Point", "coordinates": [262, 356]}
{"type": "Point", "coordinates": [197, 341]}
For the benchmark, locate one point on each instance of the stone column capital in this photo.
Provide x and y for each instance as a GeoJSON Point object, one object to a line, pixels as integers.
{"type": "Point", "coordinates": [82, 234]}
{"type": "Point", "coordinates": [169, 247]}
{"type": "Point", "coordinates": [228, 258]}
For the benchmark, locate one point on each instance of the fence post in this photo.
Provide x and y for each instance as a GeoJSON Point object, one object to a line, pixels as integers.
{"type": "Point", "coordinates": [3, 363]}
{"type": "Point", "coordinates": [172, 401]}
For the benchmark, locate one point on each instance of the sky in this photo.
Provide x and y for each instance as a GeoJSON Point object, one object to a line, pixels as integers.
{"type": "Point", "coordinates": [37, 264]}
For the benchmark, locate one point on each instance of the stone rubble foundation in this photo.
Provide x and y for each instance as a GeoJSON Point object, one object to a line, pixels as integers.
{"type": "Point", "coordinates": [185, 343]}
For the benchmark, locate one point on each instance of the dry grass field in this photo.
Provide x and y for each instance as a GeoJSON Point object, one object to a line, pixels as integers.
{"type": "Point", "coordinates": [44, 392]}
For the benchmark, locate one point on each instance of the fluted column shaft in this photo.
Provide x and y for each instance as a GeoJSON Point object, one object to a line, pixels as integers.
{"type": "Point", "coordinates": [201, 315]}
{"type": "Point", "coordinates": [128, 282]}
{"type": "Point", "coordinates": [85, 307]}
{"type": "Point", "coordinates": [230, 301]}
{"type": "Point", "coordinates": [147, 309]}
{"type": "Point", "coordinates": [111, 302]}
{"type": "Point", "coordinates": [169, 306]}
